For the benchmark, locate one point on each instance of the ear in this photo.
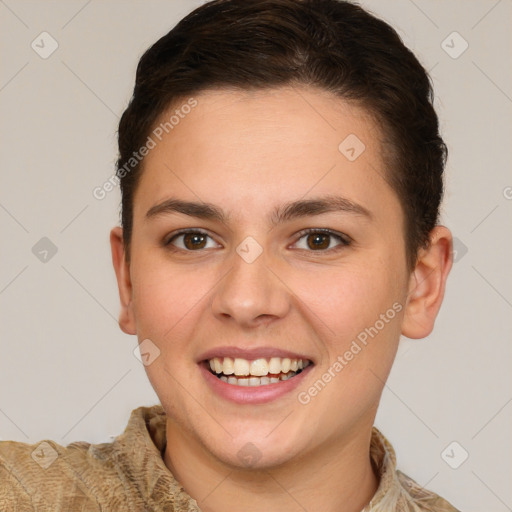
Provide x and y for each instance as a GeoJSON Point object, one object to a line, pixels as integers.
{"type": "Point", "coordinates": [124, 284]}
{"type": "Point", "coordinates": [427, 284]}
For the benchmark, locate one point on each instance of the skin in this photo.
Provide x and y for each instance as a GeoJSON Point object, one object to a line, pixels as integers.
{"type": "Point", "coordinates": [249, 153]}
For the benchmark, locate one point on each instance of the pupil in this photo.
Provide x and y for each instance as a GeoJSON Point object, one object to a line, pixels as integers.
{"type": "Point", "coordinates": [318, 241]}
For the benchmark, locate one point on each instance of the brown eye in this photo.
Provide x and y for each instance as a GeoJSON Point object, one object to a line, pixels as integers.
{"type": "Point", "coordinates": [318, 241]}
{"type": "Point", "coordinates": [321, 240]}
{"type": "Point", "coordinates": [192, 241]}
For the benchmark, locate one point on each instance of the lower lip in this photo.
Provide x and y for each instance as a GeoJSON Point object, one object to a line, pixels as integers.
{"type": "Point", "coordinates": [252, 394]}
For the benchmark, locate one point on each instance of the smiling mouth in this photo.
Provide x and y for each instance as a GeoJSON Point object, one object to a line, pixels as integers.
{"type": "Point", "coordinates": [256, 372]}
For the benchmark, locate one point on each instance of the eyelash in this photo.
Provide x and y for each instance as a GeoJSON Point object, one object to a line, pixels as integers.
{"type": "Point", "coordinates": [168, 243]}
{"type": "Point", "coordinates": [344, 240]}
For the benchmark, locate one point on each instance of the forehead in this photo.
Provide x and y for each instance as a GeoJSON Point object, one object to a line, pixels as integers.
{"type": "Point", "coordinates": [273, 144]}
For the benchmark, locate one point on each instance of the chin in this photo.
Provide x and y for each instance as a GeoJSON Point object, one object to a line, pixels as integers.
{"type": "Point", "coordinates": [255, 452]}
{"type": "Point", "coordinates": [251, 458]}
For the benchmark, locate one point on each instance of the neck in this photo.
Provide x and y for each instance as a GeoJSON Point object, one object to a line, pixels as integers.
{"type": "Point", "coordinates": [338, 476]}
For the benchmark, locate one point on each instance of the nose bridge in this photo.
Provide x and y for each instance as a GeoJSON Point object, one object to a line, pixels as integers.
{"type": "Point", "coordinates": [249, 291]}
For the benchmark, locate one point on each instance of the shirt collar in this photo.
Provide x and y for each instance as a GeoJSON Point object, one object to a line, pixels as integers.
{"type": "Point", "coordinates": [142, 445]}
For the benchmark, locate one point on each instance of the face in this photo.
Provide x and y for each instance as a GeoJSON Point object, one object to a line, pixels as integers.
{"type": "Point", "coordinates": [267, 241]}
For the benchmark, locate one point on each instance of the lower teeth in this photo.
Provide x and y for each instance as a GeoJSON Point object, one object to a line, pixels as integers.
{"type": "Point", "coordinates": [256, 381]}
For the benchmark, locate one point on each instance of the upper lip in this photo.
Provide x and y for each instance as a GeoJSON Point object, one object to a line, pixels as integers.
{"type": "Point", "coordinates": [251, 353]}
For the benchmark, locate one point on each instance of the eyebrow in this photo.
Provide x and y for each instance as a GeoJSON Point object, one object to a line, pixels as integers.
{"type": "Point", "coordinates": [318, 206]}
{"type": "Point", "coordinates": [283, 213]}
{"type": "Point", "coordinates": [200, 210]}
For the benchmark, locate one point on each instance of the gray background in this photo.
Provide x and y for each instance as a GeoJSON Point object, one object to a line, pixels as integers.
{"type": "Point", "coordinates": [66, 370]}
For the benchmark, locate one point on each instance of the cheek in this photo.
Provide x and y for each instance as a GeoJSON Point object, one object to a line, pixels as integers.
{"type": "Point", "coordinates": [346, 301]}
{"type": "Point", "coordinates": [356, 314]}
{"type": "Point", "coordinates": [167, 307]}
{"type": "Point", "coordinates": [165, 300]}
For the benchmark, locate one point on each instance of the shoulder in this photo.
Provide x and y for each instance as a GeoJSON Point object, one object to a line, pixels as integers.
{"type": "Point", "coordinates": [46, 476]}
{"type": "Point", "coordinates": [396, 490]}
{"type": "Point", "coordinates": [425, 500]}
{"type": "Point", "coordinates": [119, 475]}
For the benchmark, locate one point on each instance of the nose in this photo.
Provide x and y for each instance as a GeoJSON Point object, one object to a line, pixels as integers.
{"type": "Point", "coordinates": [251, 294]}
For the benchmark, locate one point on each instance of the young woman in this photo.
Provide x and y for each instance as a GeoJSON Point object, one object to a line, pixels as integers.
{"type": "Point", "coordinates": [281, 175]}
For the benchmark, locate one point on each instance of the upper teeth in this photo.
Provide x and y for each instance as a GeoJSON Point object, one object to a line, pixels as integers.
{"type": "Point", "coordinates": [256, 367]}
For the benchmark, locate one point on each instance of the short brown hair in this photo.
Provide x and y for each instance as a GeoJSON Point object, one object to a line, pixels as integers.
{"type": "Point", "coordinates": [330, 44]}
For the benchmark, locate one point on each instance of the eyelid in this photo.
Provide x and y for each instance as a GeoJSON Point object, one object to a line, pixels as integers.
{"type": "Point", "coordinates": [345, 240]}
{"type": "Point", "coordinates": [169, 238]}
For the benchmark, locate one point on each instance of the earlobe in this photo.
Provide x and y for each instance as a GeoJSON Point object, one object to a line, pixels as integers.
{"type": "Point", "coordinates": [427, 284]}
{"type": "Point", "coordinates": [122, 269]}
